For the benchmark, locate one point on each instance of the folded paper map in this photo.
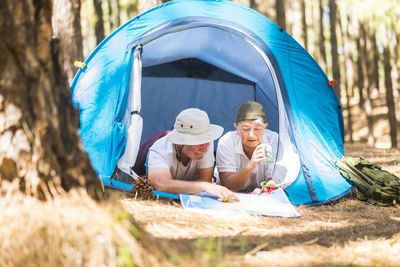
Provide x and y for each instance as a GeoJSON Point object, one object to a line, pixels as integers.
{"type": "Point", "coordinates": [273, 204]}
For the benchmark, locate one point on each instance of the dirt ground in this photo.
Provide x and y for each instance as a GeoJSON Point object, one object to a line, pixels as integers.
{"type": "Point", "coordinates": [347, 233]}
{"type": "Point", "coordinates": [74, 230]}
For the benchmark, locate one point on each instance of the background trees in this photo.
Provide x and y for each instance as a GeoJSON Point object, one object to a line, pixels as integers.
{"type": "Point", "coordinates": [354, 42]}
{"type": "Point", "coordinates": [66, 22]}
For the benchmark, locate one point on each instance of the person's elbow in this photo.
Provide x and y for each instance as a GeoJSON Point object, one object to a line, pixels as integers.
{"type": "Point", "coordinates": [157, 180]}
{"type": "Point", "coordinates": [156, 183]}
{"type": "Point", "coordinates": [231, 186]}
{"type": "Point", "coordinates": [226, 180]}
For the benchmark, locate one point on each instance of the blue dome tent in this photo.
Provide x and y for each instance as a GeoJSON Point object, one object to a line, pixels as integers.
{"type": "Point", "coordinates": [213, 55]}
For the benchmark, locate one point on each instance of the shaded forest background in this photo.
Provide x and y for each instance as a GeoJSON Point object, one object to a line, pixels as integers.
{"type": "Point", "coordinates": [356, 43]}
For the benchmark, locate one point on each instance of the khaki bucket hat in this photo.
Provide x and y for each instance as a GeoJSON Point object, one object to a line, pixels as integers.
{"type": "Point", "coordinates": [192, 127]}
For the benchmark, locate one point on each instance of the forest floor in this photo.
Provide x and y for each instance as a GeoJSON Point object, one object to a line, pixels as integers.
{"type": "Point", "coordinates": [74, 230]}
{"type": "Point", "coordinates": [347, 233]}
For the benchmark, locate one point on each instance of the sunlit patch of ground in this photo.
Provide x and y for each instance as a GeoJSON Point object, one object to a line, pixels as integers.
{"type": "Point", "coordinates": [73, 230]}
{"type": "Point", "coordinates": [349, 232]}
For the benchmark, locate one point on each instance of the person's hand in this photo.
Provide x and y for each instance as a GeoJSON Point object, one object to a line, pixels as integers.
{"type": "Point", "coordinates": [223, 193]}
{"type": "Point", "coordinates": [258, 156]}
{"type": "Point", "coordinates": [257, 191]}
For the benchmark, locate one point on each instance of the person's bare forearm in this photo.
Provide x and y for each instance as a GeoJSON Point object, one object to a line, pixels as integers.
{"type": "Point", "coordinates": [236, 181]}
{"type": "Point", "coordinates": [161, 180]}
{"type": "Point", "coordinates": [178, 186]}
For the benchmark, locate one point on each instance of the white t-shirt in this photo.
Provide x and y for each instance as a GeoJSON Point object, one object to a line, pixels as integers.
{"type": "Point", "coordinates": [162, 154]}
{"type": "Point", "coordinates": [231, 158]}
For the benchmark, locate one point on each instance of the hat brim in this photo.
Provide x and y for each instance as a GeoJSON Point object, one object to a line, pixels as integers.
{"type": "Point", "coordinates": [178, 138]}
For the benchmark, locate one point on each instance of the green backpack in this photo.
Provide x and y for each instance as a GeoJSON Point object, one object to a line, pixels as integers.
{"type": "Point", "coordinates": [373, 184]}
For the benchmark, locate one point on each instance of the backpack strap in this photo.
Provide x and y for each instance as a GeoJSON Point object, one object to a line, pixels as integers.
{"type": "Point", "coordinates": [140, 167]}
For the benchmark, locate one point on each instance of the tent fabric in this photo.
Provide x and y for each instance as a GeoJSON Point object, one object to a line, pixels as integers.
{"type": "Point", "coordinates": [252, 59]}
{"type": "Point", "coordinates": [132, 117]}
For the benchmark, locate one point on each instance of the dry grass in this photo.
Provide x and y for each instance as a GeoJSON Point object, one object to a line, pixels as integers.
{"type": "Point", "coordinates": [348, 233]}
{"type": "Point", "coordinates": [71, 230]}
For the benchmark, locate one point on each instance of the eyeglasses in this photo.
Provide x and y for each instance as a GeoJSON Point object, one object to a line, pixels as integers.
{"type": "Point", "coordinates": [256, 129]}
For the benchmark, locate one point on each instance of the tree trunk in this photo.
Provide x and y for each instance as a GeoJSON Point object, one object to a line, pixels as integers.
{"type": "Point", "coordinates": [118, 13]}
{"type": "Point", "coordinates": [360, 73]}
{"type": "Point", "coordinates": [397, 102]}
{"type": "Point", "coordinates": [389, 96]}
{"type": "Point", "coordinates": [313, 38]}
{"type": "Point", "coordinates": [132, 8]}
{"type": "Point", "coordinates": [39, 141]}
{"type": "Point", "coordinates": [367, 61]}
{"type": "Point", "coordinates": [253, 4]}
{"type": "Point", "coordinates": [280, 13]}
{"type": "Point", "coordinates": [396, 77]}
{"type": "Point", "coordinates": [110, 15]}
{"type": "Point", "coordinates": [304, 23]}
{"type": "Point", "coordinates": [144, 5]}
{"type": "Point", "coordinates": [322, 37]}
{"type": "Point", "coordinates": [66, 21]}
{"type": "Point", "coordinates": [99, 21]}
{"type": "Point", "coordinates": [347, 68]}
{"type": "Point", "coordinates": [375, 62]}
{"type": "Point", "coordinates": [334, 45]}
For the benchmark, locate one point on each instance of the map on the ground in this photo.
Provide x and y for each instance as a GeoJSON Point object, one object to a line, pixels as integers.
{"type": "Point", "coordinates": [274, 204]}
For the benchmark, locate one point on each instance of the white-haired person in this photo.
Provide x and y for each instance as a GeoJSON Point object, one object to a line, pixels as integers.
{"type": "Point", "coordinates": [240, 153]}
{"type": "Point", "coordinates": [183, 160]}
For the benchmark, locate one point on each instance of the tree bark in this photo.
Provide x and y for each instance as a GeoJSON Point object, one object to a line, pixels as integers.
{"type": "Point", "coordinates": [110, 15]}
{"type": "Point", "coordinates": [144, 5]}
{"type": "Point", "coordinates": [66, 21]}
{"type": "Point", "coordinates": [118, 13]}
{"type": "Point", "coordinates": [39, 141]}
{"type": "Point", "coordinates": [253, 4]}
{"type": "Point", "coordinates": [367, 61]}
{"type": "Point", "coordinates": [133, 8]}
{"type": "Point", "coordinates": [360, 73]}
{"type": "Point", "coordinates": [304, 23]}
{"type": "Point", "coordinates": [334, 45]}
{"type": "Point", "coordinates": [375, 62]}
{"type": "Point", "coordinates": [396, 78]}
{"type": "Point", "coordinates": [280, 13]}
{"type": "Point", "coordinates": [348, 81]}
{"type": "Point", "coordinates": [322, 36]}
{"type": "Point", "coordinates": [313, 38]}
{"type": "Point", "coordinates": [389, 96]}
{"type": "Point", "coordinates": [99, 21]}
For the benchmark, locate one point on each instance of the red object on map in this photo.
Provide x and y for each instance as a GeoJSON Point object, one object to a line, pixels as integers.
{"type": "Point", "coordinates": [268, 186]}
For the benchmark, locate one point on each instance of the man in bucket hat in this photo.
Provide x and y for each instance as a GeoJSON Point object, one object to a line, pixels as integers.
{"type": "Point", "coordinates": [241, 155]}
{"type": "Point", "coordinates": [183, 160]}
